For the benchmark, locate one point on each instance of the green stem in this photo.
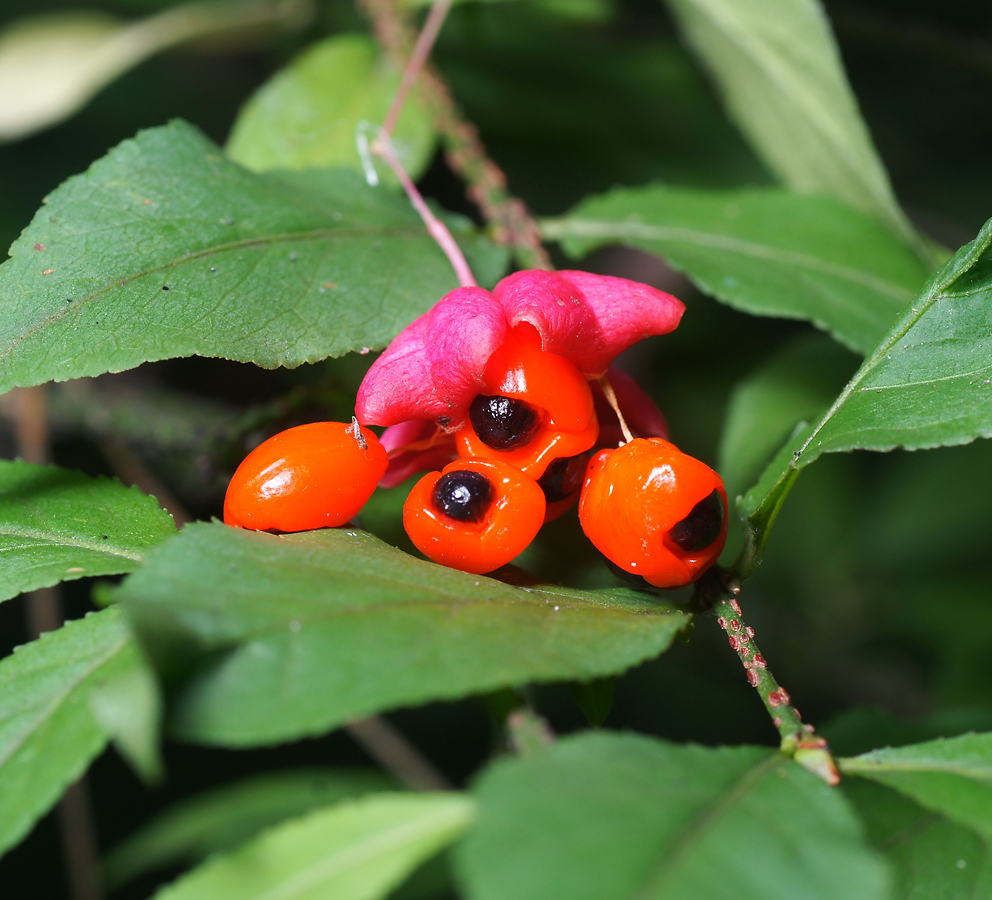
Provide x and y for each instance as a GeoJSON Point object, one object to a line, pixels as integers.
{"type": "Point", "coordinates": [719, 590]}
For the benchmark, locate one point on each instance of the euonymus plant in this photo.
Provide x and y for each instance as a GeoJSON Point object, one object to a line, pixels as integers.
{"type": "Point", "coordinates": [327, 714]}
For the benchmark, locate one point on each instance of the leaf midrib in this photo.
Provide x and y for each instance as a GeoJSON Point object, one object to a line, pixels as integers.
{"type": "Point", "coordinates": [592, 228]}
{"type": "Point", "coordinates": [750, 47]}
{"type": "Point", "coordinates": [378, 844]}
{"type": "Point", "coordinates": [710, 815]}
{"type": "Point", "coordinates": [867, 768]}
{"type": "Point", "coordinates": [937, 291]}
{"type": "Point", "coordinates": [47, 711]}
{"type": "Point", "coordinates": [324, 234]}
{"type": "Point", "coordinates": [53, 539]}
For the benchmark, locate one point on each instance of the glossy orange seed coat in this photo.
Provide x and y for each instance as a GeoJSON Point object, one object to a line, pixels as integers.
{"type": "Point", "coordinates": [509, 525]}
{"type": "Point", "coordinates": [311, 476]}
{"type": "Point", "coordinates": [633, 495]}
{"type": "Point", "coordinates": [554, 385]}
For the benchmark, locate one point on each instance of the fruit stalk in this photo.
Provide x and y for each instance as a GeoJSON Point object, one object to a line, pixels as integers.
{"type": "Point", "coordinates": [511, 223]}
{"type": "Point", "coordinates": [719, 590]}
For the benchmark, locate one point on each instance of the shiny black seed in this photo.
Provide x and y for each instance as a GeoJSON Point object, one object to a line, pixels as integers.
{"type": "Point", "coordinates": [464, 496]}
{"type": "Point", "coordinates": [563, 477]}
{"type": "Point", "coordinates": [503, 423]}
{"type": "Point", "coordinates": [701, 527]}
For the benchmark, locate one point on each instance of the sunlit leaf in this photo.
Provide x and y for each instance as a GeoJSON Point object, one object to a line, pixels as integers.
{"type": "Point", "coordinates": [782, 79]}
{"type": "Point", "coordinates": [357, 850]}
{"type": "Point", "coordinates": [219, 820]}
{"type": "Point", "coordinates": [165, 248]}
{"type": "Point", "coordinates": [58, 525]}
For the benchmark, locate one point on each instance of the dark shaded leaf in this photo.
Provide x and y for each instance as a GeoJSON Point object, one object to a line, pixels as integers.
{"type": "Point", "coordinates": [305, 632]}
{"type": "Point", "coordinates": [610, 817]}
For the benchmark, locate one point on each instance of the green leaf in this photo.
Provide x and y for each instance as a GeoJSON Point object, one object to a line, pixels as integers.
{"type": "Point", "coordinates": [61, 698]}
{"type": "Point", "coordinates": [594, 698]}
{"type": "Point", "coordinates": [782, 79]}
{"type": "Point", "coordinates": [929, 382]}
{"type": "Point", "coordinates": [766, 251]}
{"type": "Point", "coordinates": [52, 64]}
{"type": "Point", "coordinates": [221, 819]}
{"type": "Point", "coordinates": [797, 384]}
{"type": "Point", "coordinates": [610, 817]}
{"type": "Point", "coordinates": [933, 859]}
{"type": "Point", "coordinates": [58, 525]}
{"type": "Point", "coordinates": [951, 776]}
{"type": "Point", "coordinates": [306, 116]}
{"type": "Point", "coordinates": [357, 850]}
{"type": "Point", "coordinates": [164, 248]}
{"type": "Point", "coordinates": [760, 506]}
{"type": "Point", "coordinates": [324, 627]}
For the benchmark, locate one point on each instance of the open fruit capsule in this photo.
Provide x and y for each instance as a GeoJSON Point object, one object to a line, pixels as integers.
{"type": "Point", "coordinates": [654, 511]}
{"type": "Point", "coordinates": [312, 476]}
{"type": "Point", "coordinates": [535, 407]}
{"type": "Point", "coordinates": [475, 515]}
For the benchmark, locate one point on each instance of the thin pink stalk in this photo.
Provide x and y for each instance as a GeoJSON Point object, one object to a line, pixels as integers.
{"type": "Point", "coordinates": [383, 147]}
{"type": "Point", "coordinates": [422, 49]}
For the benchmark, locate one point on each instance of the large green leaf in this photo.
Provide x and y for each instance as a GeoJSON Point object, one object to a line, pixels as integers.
{"type": "Point", "coordinates": [951, 776]}
{"type": "Point", "coordinates": [323, 627]}
{"type": "Point", "coordinates": [933, 859]}
{"type": "Point", "coordinates": [221, 819]}
{"type": "Point", "coordinates": [61, 698]}
{"type": "Point", "coordinates": [778, 68]}
{"type": "Point", "coordinates": [164, 248]}
{"type": "Point", "coordinates": [797, 384]}
{"type": "Point", "coordinates": [767, 251]}
{"type": "Point", "coordinates": [57, 525]}
{"type": "Point", "coordinates": [611, 817]}
{"type": "Point", "coordinates": [357, 850]}
{"type": "Point", "coordinates": [929, 382]}
{"type": "Point", "coordinates": [306, 116]}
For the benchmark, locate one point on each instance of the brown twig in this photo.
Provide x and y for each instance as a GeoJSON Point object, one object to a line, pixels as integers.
{"type": "Point", "coordinates": [77, 830]}
{"type": "Point", "coordinates": [396, 754]}
{"type": "Point", "coordinates": [511, 223]}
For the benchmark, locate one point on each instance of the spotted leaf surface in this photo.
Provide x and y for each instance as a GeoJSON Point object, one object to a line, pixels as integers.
{"type": "Point", "coordinates": [165, 248]}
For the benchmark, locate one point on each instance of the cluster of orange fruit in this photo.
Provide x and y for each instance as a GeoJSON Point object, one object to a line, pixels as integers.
{"type": "Point", "coordinates": [525, 455]}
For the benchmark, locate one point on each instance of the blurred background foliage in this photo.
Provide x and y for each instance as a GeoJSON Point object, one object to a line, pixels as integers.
{"type": "Point", "coordinates": [872, 599]}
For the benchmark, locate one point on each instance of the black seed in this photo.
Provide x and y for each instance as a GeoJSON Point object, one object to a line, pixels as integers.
{"type": "Point", "coordinates": [701, 527]}
{"type": "Point", "coordinates": [563, 477]}
{"type": "Point", "coordinates": [464, 496]}
{"type": "Point", "coordinates": [165, 287]}
{"type": "Point", "coordinates": [503, 423]}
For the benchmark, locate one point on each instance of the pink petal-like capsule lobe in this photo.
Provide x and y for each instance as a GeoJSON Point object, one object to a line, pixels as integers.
{"type": "Point", "coordinates": [625, 312]}
{"type": "Point", "coordinates": [553, 306]}
{"type": "Point", "coordinates": [433, 368]}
